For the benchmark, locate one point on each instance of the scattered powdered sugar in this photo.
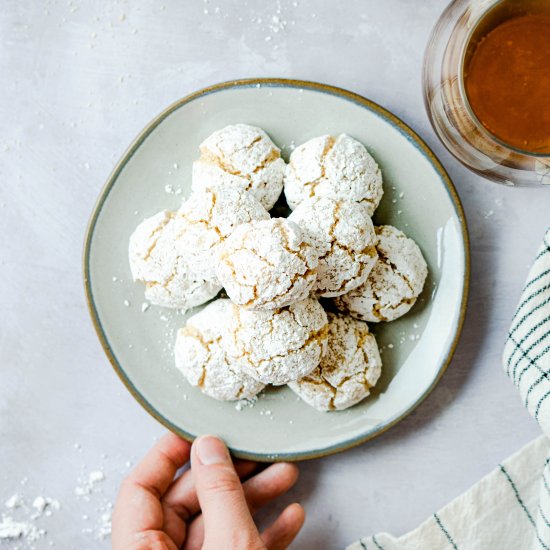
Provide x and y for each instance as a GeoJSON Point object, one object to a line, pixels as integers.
{"type": "Point", "coordinates": [45, 505]}
{"type": "Point", "coordinates": [13, 530]}
{"type": "Point", "coordinates": [15, 501]}
{"type": "Point", "coordinates": [245, 403]}
{"type": "Point", "coordinates": [95, 476]}
{"type": "Point", "coordinates": [171, 190]}
{"type": "Point", "coordinates": [26, 518]}
{"type": "Point", "coordinates": [102, 526]}
{"type": "Point", "coordinates": [87, 484]}
{"type": "Point", "coordinates": [291, 146]}
{"type": "Point", "coordinates": [20, 525]}
{"type": "Point", "coordinates": [271, 21]}
{"type": "Point", "coordinates": [104, 522]}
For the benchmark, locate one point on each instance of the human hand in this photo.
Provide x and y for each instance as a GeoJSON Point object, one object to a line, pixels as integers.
{"type": "Point", "coordinates": [207, 507]}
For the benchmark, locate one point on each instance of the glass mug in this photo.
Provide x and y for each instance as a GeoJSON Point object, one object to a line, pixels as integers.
{"type": "Point", "coordinates": [461, 25]}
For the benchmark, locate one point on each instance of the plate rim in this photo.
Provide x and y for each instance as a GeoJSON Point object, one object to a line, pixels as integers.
{"type": "Point", "coordinates": [342, 93]}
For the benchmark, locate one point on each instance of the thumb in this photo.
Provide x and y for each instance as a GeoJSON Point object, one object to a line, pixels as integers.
{"type": "Point", "coordinates": [227, 520]}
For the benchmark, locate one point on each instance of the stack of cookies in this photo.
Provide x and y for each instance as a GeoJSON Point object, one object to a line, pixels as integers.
{"type": "Point", "coordinates": [300, 289]}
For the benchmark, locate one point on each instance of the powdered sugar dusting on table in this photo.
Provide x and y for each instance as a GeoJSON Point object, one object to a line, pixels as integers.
{"type": "Point", "coordinates": [30, 520]}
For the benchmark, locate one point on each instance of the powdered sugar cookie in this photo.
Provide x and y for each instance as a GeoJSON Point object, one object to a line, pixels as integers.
{"type": "Point", "coordinates": [267, 264]}
{"type": "Point", "coordinates": [211, 217]}
{"type": "Point", "coordinates": [242, 157]}
{"type": "Point", "coordinates": [277, 346]}
{"type": "Point", "coordinates": [201, 358]}
{"type": "Point", "coordinates": [348, 370]}
{"type": "Point", "coordinates": [394, 283]}
{"type": "Point", "coordinates": [337, 167]}
{"type": "Point", "coordinates": [344, 235]}
{"type": "Point", "coordinates": [156, 261]}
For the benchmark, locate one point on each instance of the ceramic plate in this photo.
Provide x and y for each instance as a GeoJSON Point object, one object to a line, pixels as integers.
{"type": "Point", "coordinates": [155, 173]}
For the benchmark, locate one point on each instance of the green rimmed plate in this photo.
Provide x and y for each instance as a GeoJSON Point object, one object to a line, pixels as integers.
{"type": "Point", "coordinates": [419, 199]}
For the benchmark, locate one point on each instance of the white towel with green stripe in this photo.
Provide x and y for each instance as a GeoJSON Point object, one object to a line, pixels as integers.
{"type": "Point", "coordinates": [510, 508]}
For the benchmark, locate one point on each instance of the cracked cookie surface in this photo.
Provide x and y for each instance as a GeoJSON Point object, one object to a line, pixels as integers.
{"type": "Point", "coordinates": [267, 264]}
{"type": "Point", "coordinates": [348, 370]}
{"type": "Point", "coordinates": [336, 167]}
{"type": "Point", "coordinates": [393, 285]}
{"type": "Point", "coordinates": [212, 215]}
{"type": "Point", "coordinates": [343, 233]}
{"type": "Point", "coordinates": [201, 357]}
{"type": "Point", "coordinates": [157, 261]}
{"type": "Point", "coordinates": [280, 345]}
{"type": "Point", "coordinates": [242, 157]}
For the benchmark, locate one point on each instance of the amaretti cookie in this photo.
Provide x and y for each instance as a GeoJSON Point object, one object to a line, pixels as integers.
{"type": "Point", "coordinates": [343, 233]}
{"type": "Point", "coordinates": [201, 358]}
{"type": "Point", "coordinates": [394, 283]}
{"type": "Point", "coordinates": [242, 157]}
{"type": "Point", "coordinates": [280, 345]}
{"type": "Point", "coordinates": [348, 370]}
{"type": "Point", "coordinates": [158, 262]}
{"type": "Point", "coordinates": [212, 215]}
{"type": "Point", "coordinates": [267, 264]}
{"type": "Point", "coordinates": [336, 167]}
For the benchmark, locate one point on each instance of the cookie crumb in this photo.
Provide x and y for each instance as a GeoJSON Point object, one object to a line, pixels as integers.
{"type": "Point", "coordinates": [246, 403]}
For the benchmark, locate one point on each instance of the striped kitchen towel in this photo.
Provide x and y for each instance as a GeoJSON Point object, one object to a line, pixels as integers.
{"type": "Point", "coordinates": [510, 508]}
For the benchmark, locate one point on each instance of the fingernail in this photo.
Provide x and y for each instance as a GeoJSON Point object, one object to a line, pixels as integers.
{"type": "Point", "coordinates": [211, 450]}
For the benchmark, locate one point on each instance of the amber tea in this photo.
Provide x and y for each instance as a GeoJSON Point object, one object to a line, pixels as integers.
{"type": "Point", "coordinates": [506, 74]}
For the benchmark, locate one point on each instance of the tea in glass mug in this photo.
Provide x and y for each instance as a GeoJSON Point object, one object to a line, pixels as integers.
{"type": "Point", "coordinates": [487, 87]}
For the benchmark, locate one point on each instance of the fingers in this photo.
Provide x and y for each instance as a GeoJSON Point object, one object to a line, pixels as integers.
{"type": "Point", "coordinates": [259, 490]}
{"type": "Point", "coordinates": [138, 509]}
{"type": "Point", "coordinates": [180, 503]}
{"type": "Point", "coordinates": [157, 470]}
{"type": "Point", "coordinates": [181, 496]}
{"type": "Point", "coordinates": [270, 484]}
{"type": "Point", "coordinates": [284, 529]}
{"type": "Point", "coordinates": [227, 521]}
